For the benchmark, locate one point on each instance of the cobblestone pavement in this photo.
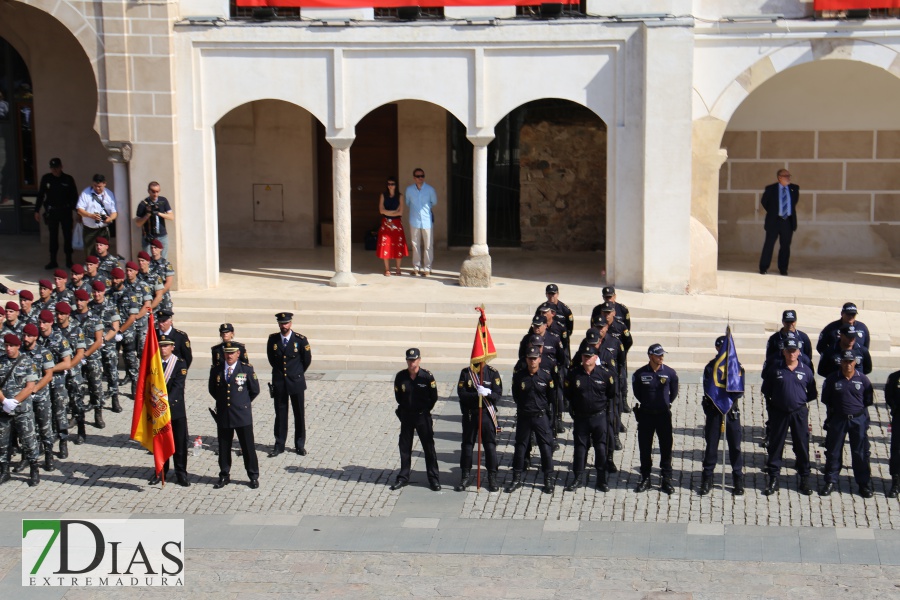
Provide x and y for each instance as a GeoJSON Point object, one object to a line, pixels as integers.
{"type": "Point", "coordinates": [352, 441]}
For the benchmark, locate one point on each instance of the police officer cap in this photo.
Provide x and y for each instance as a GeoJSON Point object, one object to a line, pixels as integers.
{"type": "Point", "coordinates": [535, 340]}
{"type": "Point", "coordinates": [609, 291]}
{"type": "Point", "coordinates": [607, 307]}
{"type": "Point", "coordinates": [165, 340]}
{"type": "Point", "coordinates": [850, 308]}
{"type": "Point", "coordinates": [544, 307]}
{"type": "Point", "coordinates": [157, 244]}
{"type": "Point", "coordinates": [848, 330]}
{"type": "Point", "coordinates": [26, 295]}
{"type": "Point", "coordinates": [45, 283]}
{"type": "Point", "coordinates": [98, 286]}
{"type": "Point", "coordinates": [284, 317]}
{"type": "Point", "coordinates": [118, 273]}
{"type": "Point", "coordinates": [789, 316]}
{"type": "Point", "coordinates": [46, 316]}
{"type": "Point", "coordinates": [532, 352]}
{"type": "Point", "coordinates": [587, 349]}
{"type": "Point", "coordinates": [413, 354]}
{"type": "Point", "coordinates": [848, 355]}
{"type": "Point", "coordinates": [61, 274]}
{"type": "Point", "coordinates": [12, 305]}
{"type": "Point", "coordinates": [790, 343]}
{"type": "Point", "coordinates": [92, 260]}
{"type": "Point", "coordinates": [82, 295]}
{"type": "Point", "coordinates": [656, 350]}
{"type": "Point", "coordinates": [592, 335]}
{"type": "Point", "coordinates": [55, 163]}
{"type": "Point", "coordinates": [226, 327]}
{"type": "Point", "coordinates": [538, 320]}
{"type": "Point", "coordinates": [77, 270]}
{"type": "Point", "coordinates": [229, 347]}
{"type": "Point", "coordinates": [11, 339]}
{"type": "Point", "coordinates": [552, 288]}
{"type": "Point", "coordinates": [63, 308]}
{"type": "Point", "coordinates": [32, 330]}
{"type": "Point", "coordinates": [164, 315]}
{"type": "Point", "coordinates": [720, 341]}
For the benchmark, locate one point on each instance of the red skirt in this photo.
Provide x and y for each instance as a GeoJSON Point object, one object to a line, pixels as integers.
{"type": "Point", "coordinates": [391, 239]}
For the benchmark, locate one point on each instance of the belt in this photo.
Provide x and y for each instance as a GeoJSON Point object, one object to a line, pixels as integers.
{"type": "Point", "coordinates": [851, 417]}
{"type": "Point", "coordinates": [534, 414]}
{"type": "Point", "coordinates": [654, 411]}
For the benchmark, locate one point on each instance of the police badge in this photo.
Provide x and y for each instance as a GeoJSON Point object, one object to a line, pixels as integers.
{"type": "Point", "coordinates": [663, 379]}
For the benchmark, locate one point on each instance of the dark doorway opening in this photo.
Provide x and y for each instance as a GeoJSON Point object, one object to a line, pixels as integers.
{"type": "Point", "coordinates": [18, 153]}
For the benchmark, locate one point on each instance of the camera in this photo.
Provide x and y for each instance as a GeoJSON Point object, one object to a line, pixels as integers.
{"type": "Point", "coordinates": [102, 211]}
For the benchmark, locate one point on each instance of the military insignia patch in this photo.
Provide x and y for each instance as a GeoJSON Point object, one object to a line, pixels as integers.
{"type": "Point", "coordinates": [187, 344]}
{"type": "Point", "coordinates": [306, 348]}
{"type": "Point", "coordinates": [469, 383]}
{"type": "Point", "coordinates": [663, 378]}
{"type": "Point", "coordinates": [610, 380]}
{"type": "Point", "coordinates": [551, 384]}
{"type": "Point", "coordinates": [403, 388]}
{"type": "Point", "coordinates": [433, 384]}
{"type": "Point", "coordinates": [577, 383]}
{"type": "Point", "coordinates": [497, 381]}
{"type": "Point", "coordinates": [523, 385]}
{"type": "Point", "coordinates": [184, 371]}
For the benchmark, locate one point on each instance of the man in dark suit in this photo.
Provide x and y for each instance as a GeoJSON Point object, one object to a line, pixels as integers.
{"type": "Point", "coordinates": [780, 201]}
{"type": "Point", "coordinates": [175, 372]}
{"type": "Point", "coordinates": [234, 386]}
{"type": "Point", "coordinates": [289, 356]}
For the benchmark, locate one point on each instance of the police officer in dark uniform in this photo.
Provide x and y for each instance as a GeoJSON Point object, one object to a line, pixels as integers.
{"type": "Point", "coordinates": [475, 383]}
{"type": "Point", "coordinates": [539, 328]}
{"type": "Point", "coordinates": [234, 386]}
{"type": "Point", "coordinates": [775, 344]}
{"type": "Point", "coordinates": [416, 394]}
{"type": "Point", "coordinates": [655, 386]}
{"type": "Point", "coordinates": [556, 329]}
{"type": "Point", "coordinates": [226, 332]}
{"type": "Point", "coordinates": [892, 399]}
{"type": "Point", "coordinates": [165, 327]}
{"type": "Point", "coordinates": [623, 316]}
{"type": "Point", "coordinates": [175, 371]}
{"type": "Point", "coordinates": [847, 395]}
{"type": "Point", "coordinates": [533, 390]}
{"type": "Point", "coordinates": [787, 389]}
{"type": "Point", "coordinates": [848, 341]}
{"type": "Point", "coordinates": [829, 336]}
{"type": "Point", "coordinates": [549, 363]}
{"type": "Point", "coordinates": [564, 314]}
{"type": "Point", "coordinates": [712, 431]}
{"type": "Point", "coordinates": [57, 195]}
{"type": "Point", "coordinates": [591, 392]}
{"type": "Point", "coordinates": [289, 356]}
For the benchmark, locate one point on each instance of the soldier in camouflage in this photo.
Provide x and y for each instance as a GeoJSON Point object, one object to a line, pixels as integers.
{"type": "Point", "coordinates": [76, 282]}
{"type": "Point", "coordinates": [42, 407]}
{"type": "Point", "coordinates": [92, 272]}
{"type": "Point", "coordinates": [92, 328]}
{"type": "Point", "coordinates": [134, 306]}
{"type": "Point", "coordinates": [105, 312]}
{"type": "Point", "coordinates": [151, 278]}
{"type": "Point", "coordinates": [108, 262]}
{"type": "Point", "coordinates": [53, 340]}
{"type": "Point", "coordinates": [17, 380]}
{"type": "Point", "coordinates": [61, 291]}
{"type": "Point", "coordinates": [26, 302]}
{"type": "Point", "coordinates": [45, 297]}
{"type": "Point", "coordinates": [13, 323]}
{"type": "Point", "coordinates": [75, 385]}
{"type": "Point", "coordinates": [165, 272]}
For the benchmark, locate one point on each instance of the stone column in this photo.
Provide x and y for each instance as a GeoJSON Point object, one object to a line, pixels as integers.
{"type": "Point", "coordinates": [476, 270]}
{"type": "Point", "coordinates": [120, 155]}
{"type": "Point", "coordinates": [708, 158]}
{"type": "Point", "coordinates": [340, 152]}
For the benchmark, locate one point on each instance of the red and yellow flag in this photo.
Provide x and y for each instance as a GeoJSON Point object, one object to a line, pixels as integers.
{"type": "Point", "coordinates": [483, 348]}
{"type": "Point", "coordinates": [151, 423]}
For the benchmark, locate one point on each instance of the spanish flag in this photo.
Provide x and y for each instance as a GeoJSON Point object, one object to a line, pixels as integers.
{"type": "Point", "coordinates": [151, 423]}
{"type": "Point", "coordinates": [483, 348]}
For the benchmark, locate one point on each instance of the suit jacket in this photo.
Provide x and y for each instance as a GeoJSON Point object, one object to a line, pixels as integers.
{"type": "Point", "coordinates": [182, 345]}
{"type": "Point", "coordinates": [175, 388]}
{"type": "Point", "coordinates": [770, 202]}
{"type": "Point", "coordinates": [233, 399]}
{"type": "Point", "coordinates": [288, 363]}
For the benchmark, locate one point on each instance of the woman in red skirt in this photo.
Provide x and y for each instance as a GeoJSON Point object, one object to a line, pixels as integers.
{"type": "Point", "coordinates": [391, 238]}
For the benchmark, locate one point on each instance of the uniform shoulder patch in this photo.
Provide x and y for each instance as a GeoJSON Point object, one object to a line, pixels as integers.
{"type": "Point", "coordinates": [433, 384]}
{"type": "Point", "coordinates": [306, 348]}
{"type": "Point", "coordinates": [184, 371]}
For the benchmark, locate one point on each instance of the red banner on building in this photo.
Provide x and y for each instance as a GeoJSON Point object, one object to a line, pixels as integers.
{"type": "Point", "coordinates": [820, 5]}
{"type": "Point", "coordinates": [389, 3]}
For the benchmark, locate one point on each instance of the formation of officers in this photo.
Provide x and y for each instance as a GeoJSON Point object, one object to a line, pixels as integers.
{"type": "Point", "coordinates": [592, 386]}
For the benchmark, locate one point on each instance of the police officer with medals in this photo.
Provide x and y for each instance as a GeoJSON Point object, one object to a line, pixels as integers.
{"type": "Point", "coordinates": [788, 388]}
{"type": "Point", "coordinates": [175, 370]}
{"type": "Point", "coordinates": [415, 391]}
{"type": "Point", "coordinates": [479, 381]}
{"type": "Point", "coordinates": [289, 356]}
{"type": "Point", "coordinates": [226, 332]}
{"type": "Point", "coordinates": [892, 399]}
{"type": "Point", "coordinates": [591, 392]}
{"type": "Point", "coordinates": [234, 386]}
{"type": "Point", "coordinates": [17, 379]}
{"type": "Point", "coordinates": [655, 387]}
{"type": "Point", "coordinates": [848, 341]}
{"type": "Point", "coordinates": [533, 390]}
{"type": "Point", "coordinates": [712, 431]}
{"type": "Point", "coordinates": [847, 395]}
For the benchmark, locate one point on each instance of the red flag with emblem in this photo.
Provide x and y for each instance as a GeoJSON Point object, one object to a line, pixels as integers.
{"type": "Point", "coordinates": [483, 348]}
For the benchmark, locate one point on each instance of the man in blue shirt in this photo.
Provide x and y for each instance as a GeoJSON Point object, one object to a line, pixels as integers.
{"type": "Point", "coordinates": [420, 199]}
{"type": "Point", "coordinates": [655, 386]}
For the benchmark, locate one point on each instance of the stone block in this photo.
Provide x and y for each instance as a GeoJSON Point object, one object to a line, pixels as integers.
{"type": "Point", "coordinates": [843, 207]}
{"type": "Point", "coordinates": [887, 208]}
{"type": "Point", "coordinates": [873, 176]}
{"type": "Point", "coordinates": [887, 144]}
{"type": "Point", "coordinates": [163, 104]}
{"type": "Point", "coordinates": [735, 207]}
{"type": "Point", "coordinates": [753, 175]}
{"type": "Point", "coordinates": [151, 74]}
{"type": "Point", "coordinates": [150, 26]}
{"type": "Point", "coordinates": [153, 129]}
{"type": "Point", "coordinates": [804, 209]}
{"type": "Point", "coordinates": [741, 144]}
{"type": "Point", "coordinates": [476, 272]}
{"type": "Point", "coordinates": [846, 144]}
{"type": "Point", "coordinates": [787, 144]}
{"type": "Point", "coordinates": [826, 176]}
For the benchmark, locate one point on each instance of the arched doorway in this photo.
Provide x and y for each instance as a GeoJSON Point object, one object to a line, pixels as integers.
{"type": "Point", "coordinates": [546, 179]}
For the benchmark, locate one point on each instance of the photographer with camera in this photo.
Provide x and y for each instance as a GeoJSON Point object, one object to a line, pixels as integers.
{"type": "Point", "coordinates": [152, 214]}
{"type": "Point", "coordinates": [97, 208]}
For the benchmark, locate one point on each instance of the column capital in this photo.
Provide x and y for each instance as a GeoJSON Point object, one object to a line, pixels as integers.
{"type": "Point", "coordinates": [340, 142]}
{"type": "Point", "coordinates": [118, 152]}
{"type": "Point", "coordinates": [481, 139]}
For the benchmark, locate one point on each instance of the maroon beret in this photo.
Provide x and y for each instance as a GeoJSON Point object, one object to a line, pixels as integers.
{"type": "Point", "coordinates": [118, 273]}
{"type": "Point", "coordinates": [157, 244]}
{"type": "Point", "coordinates": [143, 255]}
{"type": "Point", "coordinates": [31, 329]}
{"type": "Point", "coordinates": [92, 260]}
{"type": "Point", "coordinates": [98, 286]}
{"type": "Point", "coordinates": [61, 274]}
{"type": "Point", "coordinates": [77, 270]}
{"type": "Point", "coordinates": [82, 295]}
{"type": "Point", "coordinates": [45, 283]}
{"type": "Point", "coordinates": [63, 308]}
{"type": "Point", "coordinates": [132, 265]}
{"type": "Point", "coordinates": [102, 240]}
{"type": "Point", "coordinates": [26, 295]}
{"type": "Point", "coordinates": [46, 316]}
{"type": "Point", "coordinates": [11, 339]}
{"type": "Point", "coordinates": [12, 305]}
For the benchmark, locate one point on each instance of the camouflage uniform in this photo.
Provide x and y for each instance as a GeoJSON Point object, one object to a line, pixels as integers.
{"type": "Point", "coordinates": [129, 303]}
{"type": "Point", "coordinates": [106, 266]}
{"type": "Point", "coordinates": [75, 385]}
{"type": "Point", "coordinates": [14, 329]}
{"type": "Point", "coordinates": [59, 346]}
{"type": "Point", "coordinates": [107, 314]}
{"type": "Point", "coordinates": [67, 296]}
{"type": "Point", "coordinates": [29, 317]}
{"type": "Point", "coordinates": [154, 282]}
{"type": "Point", "coordinates": [17, 377]}
{"type": "Point", "coordinates": [42, 359]}
{"type": "Point", "coordinates": [163, 269]}
{"type": "Point", "coordinates": [88, 280]}
{"type": "Point", "coordinates": [92, 370]}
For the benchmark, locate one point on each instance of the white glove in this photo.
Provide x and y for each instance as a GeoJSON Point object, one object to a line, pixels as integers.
{"type": "Point", "coordinates": [483, 390]}
{"type": "Point", "coordinates": [9, 405]}
{"type": "Point", "coordinates": [118, 337]}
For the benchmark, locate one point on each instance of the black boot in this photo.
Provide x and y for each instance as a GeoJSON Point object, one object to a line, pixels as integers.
{"type": "Point", "coordinates": [63, 449]}
{"type": "Point", "coordinates": [82, 434]}
{"type": "Point", "coordinates": [666, 486]}
{"type": "Point", "coordinates": [22, 464]}
{"type": "Point", "coordinates": [463, 482]}
{"type": "Point", "coordinates": [99, 423]}
{"type": "Point", "coordinates": [705, 485]}
{"type": "Point", "coordinates": [492, 482]}
{"type": "Point", "coordinates": [48, 461]}
{"type": "Point", "coordinates": [548, 483]}
{"type": "Point", "coordinates": [771, 485]}
{"type": "Point", "coordinates": [611, 467]}
{"type": "Point", "coordinates": [576, 483]}
{"type": "Point", "coordinates": [644, 485]}
{"type": "Point", "coordinates": [601, 485]}
{"type": "Point", "coordinates": [804, 488]}
{"type": "Point", "coordinates": [516, 482]}
{"type": "Point", "coordinates": [35, 475]}
{"type": "Point", "coordinates": [116, 407]}
{"type": "Point", "coordinates": [4, 473]}
{"type": "Point", "coordinates": [738, 485]}
{"type": "Point", "coordinates": [895, 487]}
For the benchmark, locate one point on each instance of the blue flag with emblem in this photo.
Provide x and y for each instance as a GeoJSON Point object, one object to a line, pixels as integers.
{"type": "Point", "coordinates": [727, 376]}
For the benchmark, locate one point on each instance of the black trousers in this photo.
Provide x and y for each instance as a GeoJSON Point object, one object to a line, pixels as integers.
{"type": "Point", "coordinates": [540, 425]}
{"type": "Point", "coordinates": [659, 424]}
{"type": "Point", "coordinates": [783, 233]}
{"type": "Point", "coordinates": [248, 450]}
{"type": "Point", "coordinates": [281, 419]}
{"type": "Point", "coordinates": [470, 439]}
{"type": "Point", "coordinates": [839, 428]}
{"type": "Point", "coordinates": [423, 426]}
{"type": "Point", "coordinates": [712, 431]}
{"type": "Point", "coordinates": [895, 444]}
{"type": "Point", "coordinates": [180, 434]}
{"type": "Point", "coordinates": [54, 223]}
{"type": "Point", "coordinates": [590, 430]}
{"type": "Point", "coordinates": [779, 422]}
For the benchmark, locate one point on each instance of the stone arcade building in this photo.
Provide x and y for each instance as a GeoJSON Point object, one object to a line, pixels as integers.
{"type": "Point", "coordinates": [646, 129]}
